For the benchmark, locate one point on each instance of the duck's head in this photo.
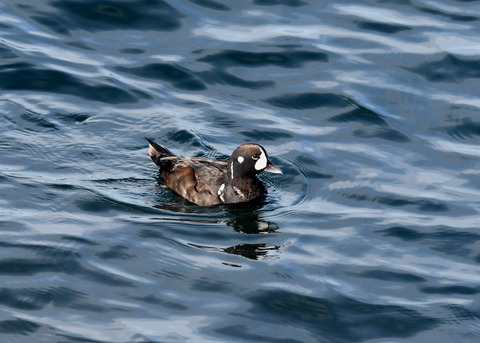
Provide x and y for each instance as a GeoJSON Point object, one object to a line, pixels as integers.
{"type": "Point", "coordinates": [248, 160]}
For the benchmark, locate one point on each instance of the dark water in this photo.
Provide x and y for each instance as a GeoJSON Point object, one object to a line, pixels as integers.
{"type": "Point", "coordinates": [371, 108]}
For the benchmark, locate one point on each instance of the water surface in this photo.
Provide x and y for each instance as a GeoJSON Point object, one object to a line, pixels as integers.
{"type": "Point", "coordinates": [370, 108]}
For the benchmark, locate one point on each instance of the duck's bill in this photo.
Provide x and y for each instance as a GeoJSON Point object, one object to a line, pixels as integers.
{"type": "Point", "coordinates": [272, 169]}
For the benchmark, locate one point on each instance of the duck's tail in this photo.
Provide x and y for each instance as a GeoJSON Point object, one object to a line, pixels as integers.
{"type": "Point", "coordinates": [160, 155]}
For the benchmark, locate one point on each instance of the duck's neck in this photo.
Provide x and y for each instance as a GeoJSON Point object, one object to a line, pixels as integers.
{"type": "Point", "coordinates": [247, 186]}
{"type": "Point", "coordinates": [244, 183]}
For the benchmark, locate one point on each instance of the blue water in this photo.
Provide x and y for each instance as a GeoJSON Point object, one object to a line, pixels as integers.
{"type": "Point", "coordinates": [371, 108]}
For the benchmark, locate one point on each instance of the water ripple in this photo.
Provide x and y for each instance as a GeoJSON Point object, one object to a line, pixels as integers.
{"type": "Point", "coordinates": [370, 109]}
{"type": "Point", "coordinates": [109, 15]}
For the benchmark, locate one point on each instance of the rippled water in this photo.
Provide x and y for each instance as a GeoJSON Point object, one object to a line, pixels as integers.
{"type": "Point", "coordinates": [371, 108]}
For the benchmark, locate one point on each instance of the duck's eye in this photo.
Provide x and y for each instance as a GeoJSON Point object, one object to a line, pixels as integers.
{"type": "Point", "coordinates": [256, 156]}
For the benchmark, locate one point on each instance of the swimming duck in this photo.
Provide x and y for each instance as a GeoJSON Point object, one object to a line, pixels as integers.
{"type": "Point", "coordinates": [208, 182]}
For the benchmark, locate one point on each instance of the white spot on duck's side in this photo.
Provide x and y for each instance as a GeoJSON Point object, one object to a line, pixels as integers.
{"type": "Point", "coordinates": [262, 161]}
{"type": "Point", "coordinates": [231, 169]}
{"type": "Point", "coordinates": [220, 192]}
{"type": "Point", "coordinates": [240, 159]}
{"type": "Point", "coordinates": [239, 192]}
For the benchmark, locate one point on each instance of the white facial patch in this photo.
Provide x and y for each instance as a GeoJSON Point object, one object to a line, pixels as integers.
{"type": "Point", "coordinates": [262, 161]}
{"type": "Point", "coordinates": [240, 159]}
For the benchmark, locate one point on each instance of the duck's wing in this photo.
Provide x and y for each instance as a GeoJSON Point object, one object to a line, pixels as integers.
{"type": "Point", "coordinates": [210, 176]}
{"type": "Point", "coordinates": [197, 179]}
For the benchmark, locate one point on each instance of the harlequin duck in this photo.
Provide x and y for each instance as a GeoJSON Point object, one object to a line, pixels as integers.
{"type": "Point", "coordinates": [207, 182]}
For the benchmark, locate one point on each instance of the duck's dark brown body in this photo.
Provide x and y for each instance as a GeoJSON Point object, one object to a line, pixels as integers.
{"type": "Point", "coordinates": [207, 182]}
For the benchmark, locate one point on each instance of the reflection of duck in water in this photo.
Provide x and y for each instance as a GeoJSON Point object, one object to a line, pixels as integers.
{"type": "Point", "coordinates": [252, 251]}
{"type": "Point", "coordinates": [246, 220]}
{"type": "Point", "coordinates": [207, 182]}
{"type": "Point", "coordinates": [243, 219]}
